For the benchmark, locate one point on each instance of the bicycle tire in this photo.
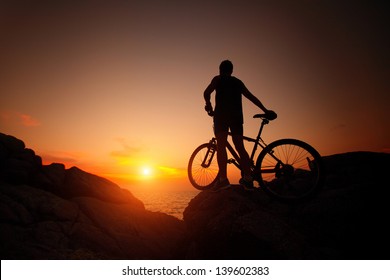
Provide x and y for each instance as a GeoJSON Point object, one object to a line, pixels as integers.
{"type": "Point", "coordinates": [201, 177]}
{"type": "Point", "coordinates": [296, 177]}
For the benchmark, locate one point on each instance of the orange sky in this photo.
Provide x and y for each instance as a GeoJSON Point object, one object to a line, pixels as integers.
{"type": "Point", "coordinates": [116, 88]}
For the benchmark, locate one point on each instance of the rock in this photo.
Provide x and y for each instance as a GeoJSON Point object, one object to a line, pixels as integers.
{"type": "Point", "coordinates": [51, 178]}
{"type": "Point", "coordinates": [132, 234]}
{"type": "Point", "coordinates": [80, 183]}
{"type": "Point", "coordinates": [235, 224]}
{"type": "Point", "coordinates": [17, 164]}
{"type": "Point", "coordinates": [346, 220]}
{"type": "Point", "coordinates": [49, 212]}
{"type": "Point", "coordinates": [36, 224]}
{"type": "Point", "coordinates": [10, 144]}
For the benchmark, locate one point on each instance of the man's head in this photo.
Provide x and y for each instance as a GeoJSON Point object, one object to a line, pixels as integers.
{"type": "Point", "coordinates": [226, 67]}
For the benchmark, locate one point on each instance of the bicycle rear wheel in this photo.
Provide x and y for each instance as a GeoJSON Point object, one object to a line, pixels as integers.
{"type": "Point", "coordinates": [203, 166]}
{"type": "Point", "coordinates": [290, 170]}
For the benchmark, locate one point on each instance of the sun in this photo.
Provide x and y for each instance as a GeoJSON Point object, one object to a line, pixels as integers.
{"type": "Point", "coordinates": [146, 172]}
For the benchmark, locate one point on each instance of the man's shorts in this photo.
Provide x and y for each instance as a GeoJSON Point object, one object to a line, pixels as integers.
{"type": "Point", "coordinates": [236, 127]}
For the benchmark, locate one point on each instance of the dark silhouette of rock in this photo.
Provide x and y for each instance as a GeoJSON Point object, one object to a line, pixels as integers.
{"type": "Point", "coordinates": [79, 183]}
{"type": "Point", "coordinates": [17, 164]}
{"type": "Point", "coordinates": [236, 224]}
{"type": "Point", "coordinates": [347, 220]}
{"type": "Point", "coordinates": [49, 212]}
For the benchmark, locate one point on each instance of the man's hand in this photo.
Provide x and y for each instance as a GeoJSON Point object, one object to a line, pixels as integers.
{"type": "Point", "coordinates": [271, 115]}
{"type": "Point", "coordinates": [209, 109]}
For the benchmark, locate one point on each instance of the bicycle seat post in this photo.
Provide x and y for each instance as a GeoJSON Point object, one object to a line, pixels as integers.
{"type": "Point", "coordinates": [264, 122]}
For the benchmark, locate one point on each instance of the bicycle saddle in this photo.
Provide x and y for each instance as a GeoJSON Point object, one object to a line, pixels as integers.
{"type": "Point", "coordinates": [271, 115]}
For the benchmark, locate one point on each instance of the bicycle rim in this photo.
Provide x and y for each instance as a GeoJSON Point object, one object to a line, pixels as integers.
{"type": "Point", "coordinates": [203, 177]}
{"type": "Point", "coordinates": [291, 170]}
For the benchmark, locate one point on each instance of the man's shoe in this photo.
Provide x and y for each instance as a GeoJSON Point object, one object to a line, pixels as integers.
{"type": "Point", "coordinates": [221, 185]}
{"type": "Point", "coordinates": [247, 184]}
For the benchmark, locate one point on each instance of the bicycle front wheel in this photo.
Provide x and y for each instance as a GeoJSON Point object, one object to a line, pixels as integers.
{"type": "Point", "coordinates": [203, 166]}
{"type": "Point", "coordinates": [290, 170]}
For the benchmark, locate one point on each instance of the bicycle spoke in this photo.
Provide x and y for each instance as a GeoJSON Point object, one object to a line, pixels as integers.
{"type": "Point", "coordinates": [203, 176]}
{"type": "Point", "coordinates": [289, 169]}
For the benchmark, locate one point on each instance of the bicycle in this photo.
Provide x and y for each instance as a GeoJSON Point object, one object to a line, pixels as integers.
{"type": "Point", "coordinates": [286, 169]}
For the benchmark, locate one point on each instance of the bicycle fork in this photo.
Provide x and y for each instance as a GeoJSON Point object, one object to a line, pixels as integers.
{"type": "Point", "coordinates": [208, 158]}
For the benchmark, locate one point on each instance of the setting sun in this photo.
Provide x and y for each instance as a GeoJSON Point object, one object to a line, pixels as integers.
{"type": "Point", "coordinates": [146, 171]}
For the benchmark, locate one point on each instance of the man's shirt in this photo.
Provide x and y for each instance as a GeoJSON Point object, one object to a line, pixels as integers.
{"type": "Point", "coordinates": [228, 98]}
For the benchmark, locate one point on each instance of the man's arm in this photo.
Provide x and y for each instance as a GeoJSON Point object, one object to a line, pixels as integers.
{"type": "Point", "coordinates": [207, 96]}
{"type": "Point", "coordinates": [207, 93]}
{"type": "Point", "coordinates": [254, 99]}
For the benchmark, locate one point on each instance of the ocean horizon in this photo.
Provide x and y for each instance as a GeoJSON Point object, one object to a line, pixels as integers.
{"type": "Point", "coordinates": [171, 202]}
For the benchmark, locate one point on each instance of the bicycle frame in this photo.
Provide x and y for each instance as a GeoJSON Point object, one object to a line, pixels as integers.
{"type": "Point", "coordinates": [236, 159]}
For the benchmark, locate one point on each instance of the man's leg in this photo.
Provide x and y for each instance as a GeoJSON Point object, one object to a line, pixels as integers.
{"type": "Point", "coordinates": [222, 154]}
{"type": "Point", "coordinates": [245, 160]}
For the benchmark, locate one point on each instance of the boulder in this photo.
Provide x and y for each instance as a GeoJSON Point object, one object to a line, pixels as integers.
{"type": "Point", "coordinates": [10, 145]}
{"type": "Point", "coordinates": [49, 212]}
{"type": "Point", "coordinates": [80, 183]}
{"type": "Point", "coordinates": [36, 224]}
{"type": "Point", "coordinates": [17, 164]}
{"type": "Point", "coordinates": [346, 220]}
{"type": "Point", "coordinates": [236, 224]}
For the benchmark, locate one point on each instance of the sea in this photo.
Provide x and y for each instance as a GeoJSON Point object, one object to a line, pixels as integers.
{"type": "Point", "coordinates": [170, 202]}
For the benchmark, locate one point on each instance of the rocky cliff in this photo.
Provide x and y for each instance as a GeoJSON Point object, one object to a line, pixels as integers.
{"type": "Point", "coordinates": [347, 220]}
{"type": "Point", "coordinates": [49, 212]}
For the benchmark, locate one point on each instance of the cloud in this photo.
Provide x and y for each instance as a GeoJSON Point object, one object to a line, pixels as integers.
{"type": "Point", "coordinates": [14, 118]}
{"type": "Point", "coordinates": [28, 121]}
{"type": "Point", "coordinates": [126, 151]}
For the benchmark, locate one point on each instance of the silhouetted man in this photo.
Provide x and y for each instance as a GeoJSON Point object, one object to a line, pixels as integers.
{"type": "Point", "coordinates": [228, 115]}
